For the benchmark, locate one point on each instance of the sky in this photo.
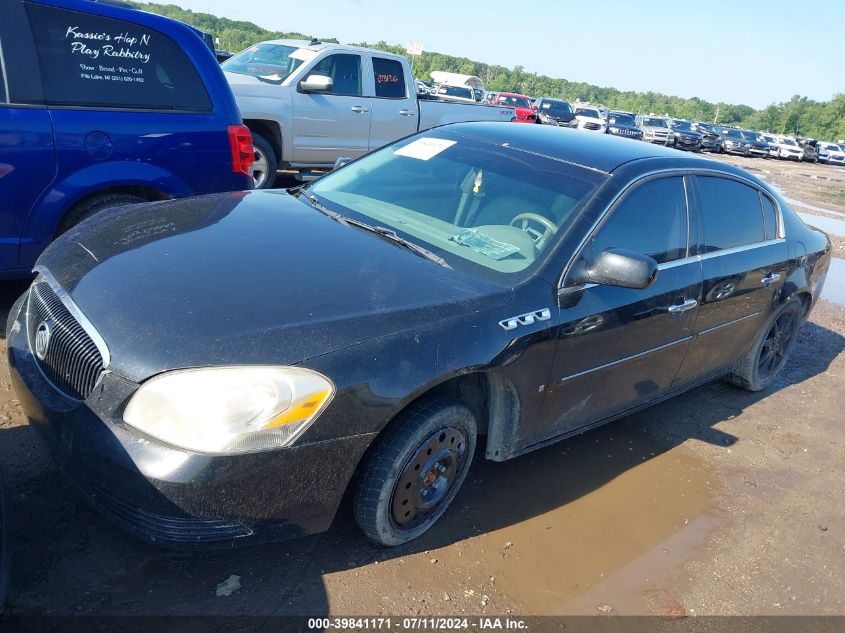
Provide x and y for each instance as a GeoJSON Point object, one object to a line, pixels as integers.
{"type": "Point", "coordinates": [755, 52]}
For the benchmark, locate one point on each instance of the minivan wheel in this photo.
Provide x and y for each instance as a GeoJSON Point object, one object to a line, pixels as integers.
{"type": "Point", "coordinates": [764, 362]}
{"type": "Point", "coordinates": [265, 164]}
{"type": "Point", "coordinates": [92, 205]}
{"type": "Point", "coordinates": [413, 471]}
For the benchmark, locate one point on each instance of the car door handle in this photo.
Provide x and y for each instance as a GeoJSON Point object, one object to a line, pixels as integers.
{"type": "Point", "coordinates": [406, 113]}
{"type": "Point", "coordinates": [359, 109]}
{"type": "Point", "coordinates": [769, 279]}
{"type": "Point", "coordinates": [679, 308]}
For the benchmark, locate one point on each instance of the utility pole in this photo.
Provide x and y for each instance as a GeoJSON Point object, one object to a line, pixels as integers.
{"type": "Point", "coordinates": [716, 118]}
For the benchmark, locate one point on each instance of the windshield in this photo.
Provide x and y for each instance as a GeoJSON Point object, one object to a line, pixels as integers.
{"type": "Point", "coordinates": [587, 112]}
{"type": "Point", "coordinates": [556, 108]}
{"type": "Point", "coordinates": [268, 61]}
{"type": "Point", "coordinates": [788, 141]}
{"type": "Point", "coordinates": [832, 148]}
{"type": "Point", "coordinates": [706, 127]}
{"type": "Point", "coordinates": [487, 209]}
{"type": "Point", "coordinates": [455, 91]}
{"type": "Point", "coordinates": [651, 122]}
{"type": "Point", "coordinates": [750, 136]}
{"type": "Point", "coordinates": [620, 119]}
{"type": "Point", "coordinates": [730, 133]}
{"type": "Point", "coordinates": [768, 139]}
{"type": "Point", "coordinates": [516, 102]}
{"type": "Point", "coordinates": [682, 125]}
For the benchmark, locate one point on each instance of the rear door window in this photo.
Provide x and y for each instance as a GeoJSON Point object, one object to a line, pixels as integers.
{"type": "Point", "coordinates": [93, 61]}
{"type": "Point", "coordinates": [731, 213]}
{"type": "Point", "coordinates": [390, 78]}
{"type": "Point", "coordinates": [650, 220]}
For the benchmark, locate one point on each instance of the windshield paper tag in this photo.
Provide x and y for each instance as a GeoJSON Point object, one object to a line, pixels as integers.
{"type": "Point", "coordinates": [424, 148]}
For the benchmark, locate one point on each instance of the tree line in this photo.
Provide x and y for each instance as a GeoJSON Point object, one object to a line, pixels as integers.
{"type": "Point", "coordinates": [798, 116]}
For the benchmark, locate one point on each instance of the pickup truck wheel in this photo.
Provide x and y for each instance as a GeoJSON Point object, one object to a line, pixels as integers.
{"type": "Point", "coordinates": [414, 471]}
{"type": "Point", "coordinates": [265, 165]}
{"type": "Point", "coordinates": [763, 363]}
{"type": "Point", "coordinates": [92, 205]}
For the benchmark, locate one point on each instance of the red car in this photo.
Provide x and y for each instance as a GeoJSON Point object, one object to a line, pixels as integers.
{"type": "Point", "coordinates": [521, 106]}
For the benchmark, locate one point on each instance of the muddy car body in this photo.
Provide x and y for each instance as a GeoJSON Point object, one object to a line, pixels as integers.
{"type": "Point", "coordinates": [215, 371]}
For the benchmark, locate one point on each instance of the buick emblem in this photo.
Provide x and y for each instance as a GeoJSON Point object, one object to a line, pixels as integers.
{"type": "Point", "coordinates": [42, 339]}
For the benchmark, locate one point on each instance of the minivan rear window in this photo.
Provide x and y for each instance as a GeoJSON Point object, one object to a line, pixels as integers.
{"type": "Point", "coordinates": [93, 61]}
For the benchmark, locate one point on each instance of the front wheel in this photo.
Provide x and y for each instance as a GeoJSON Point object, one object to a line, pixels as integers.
{"type": "Point", "coordinates": [413, 471]}
{"type": "Point", "coordinates": [764, 362]}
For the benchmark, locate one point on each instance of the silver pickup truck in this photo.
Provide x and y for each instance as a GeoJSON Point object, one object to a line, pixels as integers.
{"type": "Point", "coordinates": [309, 104]}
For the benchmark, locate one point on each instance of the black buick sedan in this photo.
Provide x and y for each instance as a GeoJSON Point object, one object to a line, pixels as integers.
{"type": "Point", "coordinates": [221, 369]}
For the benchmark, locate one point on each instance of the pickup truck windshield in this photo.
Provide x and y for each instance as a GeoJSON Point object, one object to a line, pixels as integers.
{"type": "Point", "coordinates": [514, 102]}
{"type": "Point", "coordinates": [682, 125]}
{"type": "Point", "coordinates": [492, 211]}
{"type": "Point", "coordinates": [268, 61]}
{"type": "Point", "coordinates": [649, 122]}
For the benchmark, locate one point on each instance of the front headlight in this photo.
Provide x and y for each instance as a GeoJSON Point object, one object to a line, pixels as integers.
{"type": "Point", "coordinates": [229, 409]}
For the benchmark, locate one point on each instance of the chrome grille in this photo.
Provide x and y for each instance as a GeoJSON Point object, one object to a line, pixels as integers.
{"type": "Point", "coordinates": [72, 361]}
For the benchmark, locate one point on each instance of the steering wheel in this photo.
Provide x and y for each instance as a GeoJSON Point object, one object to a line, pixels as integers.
{"type": "Point", "coordinates": [540, 238]}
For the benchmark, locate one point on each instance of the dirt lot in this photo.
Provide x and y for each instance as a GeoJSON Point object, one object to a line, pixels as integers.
{"type": "Point", "coordinates": [717, 502]}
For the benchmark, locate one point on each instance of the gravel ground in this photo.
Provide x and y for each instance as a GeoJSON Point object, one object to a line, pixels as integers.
{"type": "Point", "coordinates": [716, 502]}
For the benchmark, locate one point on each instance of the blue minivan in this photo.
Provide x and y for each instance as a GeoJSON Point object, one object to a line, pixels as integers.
{"type": "Point", "coordinates": [104, 105]}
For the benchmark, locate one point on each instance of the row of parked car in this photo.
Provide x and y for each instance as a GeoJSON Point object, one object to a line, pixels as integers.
{"type": "Point", "coordinates": [684, 134]}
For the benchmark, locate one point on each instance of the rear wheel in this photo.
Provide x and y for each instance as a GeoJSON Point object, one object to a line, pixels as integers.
{"type": "Point", "coordinates": [92, 205]}
{"type": "Point", "coordinates": [414, 471]}
{"type": "Point", "coordinates": [763, 363]}
{"type": "Point", "coordinates": [264, 165]}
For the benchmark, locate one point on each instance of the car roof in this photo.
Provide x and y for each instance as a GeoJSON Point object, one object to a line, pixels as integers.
{"type": "Point", "coordinates": [323, 46]}
{"type": "Point", "coordinates": [603, 152]}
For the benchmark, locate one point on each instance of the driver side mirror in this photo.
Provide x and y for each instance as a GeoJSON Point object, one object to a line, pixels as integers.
{"type": "Point", "coordinates": [316, 83]}
{"type": "Point", "coordinates": [617, 267]}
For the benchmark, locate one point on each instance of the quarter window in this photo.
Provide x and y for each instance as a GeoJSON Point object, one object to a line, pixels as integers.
{"type": "Point", "coordinates": [390, 78]}
{"type": "Point", "coordinates": [770, 218]}
{"type": "Point", "coordinates": [345, 72]}
{"type": "Point", "coordinates": [93, 61]}
{"type": "Point", "coordinates": [651, 220]}
{"type": "Point", "coordinates": [731, 213]}
{"type": "Point", "coordinates": [2, 78]}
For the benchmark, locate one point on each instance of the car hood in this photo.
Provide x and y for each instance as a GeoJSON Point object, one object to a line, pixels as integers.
{"type": "Point", "coordinates": [246, 278]}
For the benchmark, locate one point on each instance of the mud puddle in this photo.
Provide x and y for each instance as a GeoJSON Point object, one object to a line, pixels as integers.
{"type": "Point", "coordinates": [608, 509]}
{"type": "Point", "coordinates": [834, 285]}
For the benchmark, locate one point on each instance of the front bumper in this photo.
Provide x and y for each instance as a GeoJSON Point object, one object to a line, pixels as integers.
{"type": "Point", "coordinates": [172, 497]}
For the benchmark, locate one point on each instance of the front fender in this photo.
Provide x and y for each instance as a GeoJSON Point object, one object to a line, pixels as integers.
{"type": "Point", "coordinates": [65, 193]}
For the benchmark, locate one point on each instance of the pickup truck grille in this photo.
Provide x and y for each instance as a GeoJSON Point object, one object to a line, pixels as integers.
{"type": "Point", "coordinates": [592, 126]}
{"type": "Point", "coordinates": [71, 360]}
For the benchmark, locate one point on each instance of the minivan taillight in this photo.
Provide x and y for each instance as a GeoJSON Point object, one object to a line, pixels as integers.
{"type": "Point", "coordinates": [243, 154]}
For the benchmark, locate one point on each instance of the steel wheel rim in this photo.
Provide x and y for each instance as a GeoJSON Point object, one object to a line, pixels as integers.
{"type": "Point", "coordinates": [428, 477]}
{"type": "Point", "coordinates": [259, 168]}
{"type": "Point", "coordinates": [777, 344]}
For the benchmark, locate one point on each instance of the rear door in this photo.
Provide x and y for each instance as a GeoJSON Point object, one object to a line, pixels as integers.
{"type": "Point", "coordinates": [327, 125]}
{"type": "Point", "coordinates": [27, 152]}
{"type": "Point", "coordinates": [744, 260]}
{"type": "Point", "coordinates": [394, 110]}
{"type": "Point", "coordinates": [617, 347]}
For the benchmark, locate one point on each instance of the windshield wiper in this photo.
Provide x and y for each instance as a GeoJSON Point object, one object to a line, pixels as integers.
{"type": "Point", "coordinates": [382, 231]}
